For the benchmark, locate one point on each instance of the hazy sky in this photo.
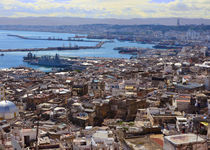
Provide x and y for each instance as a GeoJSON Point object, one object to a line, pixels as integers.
{"type": "Point", "coordinates": [106, 8]}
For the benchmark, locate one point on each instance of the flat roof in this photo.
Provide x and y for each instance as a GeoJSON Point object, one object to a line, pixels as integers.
{"type": "Point", "coordinates": [184, 139]}
{"type": "Point", "coordinates": [189, 86]}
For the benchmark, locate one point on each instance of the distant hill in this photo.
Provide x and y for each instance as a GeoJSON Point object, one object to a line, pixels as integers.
{"type": "Point", "coordinates": [56, 21]}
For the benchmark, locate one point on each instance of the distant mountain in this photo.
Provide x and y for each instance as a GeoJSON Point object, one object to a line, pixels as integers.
{"type": "Point", "coordinates": [56, 21]}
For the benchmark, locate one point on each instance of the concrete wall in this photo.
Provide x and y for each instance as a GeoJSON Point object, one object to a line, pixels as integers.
{"type": "Point", "coordinates": [190, 146]}
{"type": "Point", "coordinates": [183, 106]}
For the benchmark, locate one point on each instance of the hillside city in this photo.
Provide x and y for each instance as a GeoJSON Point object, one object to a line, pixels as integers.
{"type": "Point", "coordinates": [159, 99]}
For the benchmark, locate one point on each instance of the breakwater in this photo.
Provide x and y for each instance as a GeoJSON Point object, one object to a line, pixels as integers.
{"type": "Point", "coordinates": [99, 45]}
{"type": "Point", "coordinates": [52, 38]}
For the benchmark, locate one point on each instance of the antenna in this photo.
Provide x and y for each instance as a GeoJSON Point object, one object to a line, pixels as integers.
{"type": "Point", "coordinates": [178, 22]}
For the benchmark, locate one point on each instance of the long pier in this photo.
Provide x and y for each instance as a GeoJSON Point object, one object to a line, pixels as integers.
{"type": "Point", "coordinates": [52, 38]}
{"type": "Point", "coordinates": [99, 45]}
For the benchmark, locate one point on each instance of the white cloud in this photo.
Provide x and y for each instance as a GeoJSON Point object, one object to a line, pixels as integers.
{"type": "Point", "coordinates": [108, 8]}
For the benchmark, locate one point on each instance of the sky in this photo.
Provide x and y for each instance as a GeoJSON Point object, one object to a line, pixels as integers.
{"type": "Point", "coordinates": [122, 9]}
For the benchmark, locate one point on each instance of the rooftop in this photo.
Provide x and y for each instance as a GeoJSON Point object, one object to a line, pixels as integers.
{"type": "Point", "coordinates": [184, 139]}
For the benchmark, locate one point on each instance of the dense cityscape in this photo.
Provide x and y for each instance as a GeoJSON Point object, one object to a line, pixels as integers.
{"type": "Point", "coordinates": [104, 83]}
{"type": "Point", "coordinates": [150, 101]}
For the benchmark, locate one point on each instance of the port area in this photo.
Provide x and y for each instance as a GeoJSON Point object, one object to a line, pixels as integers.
{"type": "Point", "coordinates": [147, 52]}
{"type": "Point", "coordinates": [76, 38]}
{"type": "Point", "coordinates": [97, 46]}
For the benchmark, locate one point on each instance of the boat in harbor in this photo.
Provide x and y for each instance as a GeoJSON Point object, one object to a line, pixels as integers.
{"type": "Point", "coordinates": [30, 57]}
{"type": "Point", "coordinates": [159, 46]}
{"type": "Point", "coordinates": [47, 61]}
{"type": "Point", "coordinates": [1, 54]}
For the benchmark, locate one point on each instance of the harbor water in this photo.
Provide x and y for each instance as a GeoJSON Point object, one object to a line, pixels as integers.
{"type": "Point", "coordinates": [15, 59]}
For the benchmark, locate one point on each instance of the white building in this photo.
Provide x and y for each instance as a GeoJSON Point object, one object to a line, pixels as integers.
{"type": "Point", "coordinates": [8, 109]}
{"type": "Point", "coordinates": [100, 140]}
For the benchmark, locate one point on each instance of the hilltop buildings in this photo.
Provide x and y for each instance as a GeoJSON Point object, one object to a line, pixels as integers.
{"type": "Point", "coordinates": [112, 104]}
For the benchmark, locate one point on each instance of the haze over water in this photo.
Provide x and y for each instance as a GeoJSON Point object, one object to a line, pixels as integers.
{"type": "Point", "coordinates": [15, 59]}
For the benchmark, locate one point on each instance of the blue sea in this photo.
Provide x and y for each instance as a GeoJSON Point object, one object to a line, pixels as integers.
{"type": "Point", "coordinates": [15, 59]}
